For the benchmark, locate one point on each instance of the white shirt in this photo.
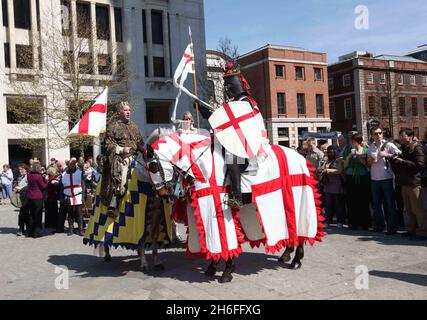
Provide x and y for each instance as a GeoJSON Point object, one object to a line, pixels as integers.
{"type": "Point", "coordinates": [380, 170]}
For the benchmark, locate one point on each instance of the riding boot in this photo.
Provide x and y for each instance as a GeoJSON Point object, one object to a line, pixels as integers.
{"type": "Point", "coordinates": [211, 270]}
{"type": "Point", "coordinates": [235, 198]}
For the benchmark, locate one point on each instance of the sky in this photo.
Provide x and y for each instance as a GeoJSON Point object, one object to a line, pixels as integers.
{"type": "Point", "coordinates": [394, 26]}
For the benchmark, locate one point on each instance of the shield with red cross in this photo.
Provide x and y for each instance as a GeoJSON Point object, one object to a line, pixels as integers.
{"type": "Point", "coordinates": [237, 129]}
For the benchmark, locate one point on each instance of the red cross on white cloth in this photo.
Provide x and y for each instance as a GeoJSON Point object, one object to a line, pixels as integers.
{"type": "Point", "coordinates": [72, 186]}
{"type": "Point", "coordinates": [186, 150]}
{"type": "Point", "coordinates": [234, 122]}
{"type": "Point", "coordinates": [220, 234]}
{"type": "Point", "coordinates": [281, 192]}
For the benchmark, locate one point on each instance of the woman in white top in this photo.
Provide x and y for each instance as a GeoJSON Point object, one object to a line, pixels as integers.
{"type": "Point", "coordinates": [6, 181]}
{"type": "Point", "coordinates": [186, 124]}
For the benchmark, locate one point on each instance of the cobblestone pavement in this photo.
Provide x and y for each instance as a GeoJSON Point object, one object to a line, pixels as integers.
{"type": "Point", "coordinates": [397, 270]}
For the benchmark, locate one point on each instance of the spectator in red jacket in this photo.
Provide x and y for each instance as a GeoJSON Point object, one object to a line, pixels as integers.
{"type": "Point", "coordinates": [36, 185]}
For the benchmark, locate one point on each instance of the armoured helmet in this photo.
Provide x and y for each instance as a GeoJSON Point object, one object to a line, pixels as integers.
{"type": "Point", "coordinates": [235, 84]}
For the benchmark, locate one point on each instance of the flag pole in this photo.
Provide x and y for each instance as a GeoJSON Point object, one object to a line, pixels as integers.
{"type": "Point", "coordinates": [194, 79]}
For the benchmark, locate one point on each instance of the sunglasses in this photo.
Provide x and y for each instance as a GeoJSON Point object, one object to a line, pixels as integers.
{"type": "Point", "coordinates": [377, 133]}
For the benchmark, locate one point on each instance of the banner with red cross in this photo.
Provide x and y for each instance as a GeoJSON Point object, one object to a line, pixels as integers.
{"type": "Point", "coordinates": [214, 228]}
{"type": "Point", "coordinates": [286, 200]}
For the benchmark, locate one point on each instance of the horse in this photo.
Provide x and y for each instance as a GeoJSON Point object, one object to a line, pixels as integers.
{"type": "Point", "coordinates": [216, 230]}
{"type": "Point", "coordinates": [143, 221]}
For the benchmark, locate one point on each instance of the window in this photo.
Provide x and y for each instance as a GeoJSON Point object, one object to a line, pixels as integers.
{"type": "Point", "coordinates": [425, 107]}
{"type": "Point", "coordinates": [157, 27]}
{"type": "Point", "coordinates": [157, 111]}
{"type": "Point", "coordinates": [318, 74]}
{"type": "Point", "coordinates": [301, 104]}
{"type": "Point", "coordinates": [348, 111]}
{"type": "Point", "coordinates": [370, 79]}
{"type": "Point", "coordinates": [413, 80]}
{"type": "Point", "coordinates": [24, 110]}
{"type": "Point", "coordinates": [346, 80]}
{"type": "Point", "coordinates": [4, 13]}
{"type": "Point", "coordinates": [159, 66]}
{"type": "Point", "coordinates": [400, 79]}
{"type": "Point", "coordinates": [7, 55]}
{"type": "Point", "coordinates": [102, 23]}
{"type": "Point", "coordinates": [65, 17]}
{"type": "Point", "coordinates": [22, 14]}
{"type": "Point", "coordinates": [319, 105]}
{"type": "Point", "coordinates": [146, 66]}
{"type": "Point", "coordinates": [331, 83]}
{"type": "Point", "coordinates": [414, 106]}
{"type": "Point", "coordinates": [144, 27]}
{"type": "Point", "coordinates": [284, 143]}
{"type": "Point", "coordinates": [384, 106]}
{"type": "Point", "coordinates": [371, 106]}
{"type": "Point", "coordinates": [424, 80]}
{"type": "Point", "coordinates": [104, 64]}
{"type": "Point", "coordinates": [83, 20]}
{"type": "Point", "coordinates": [402, 106]}
{"type": "Point", "coordinates": [283, 132]}
{"type": "Point", "coordinates": [68, 61]}
{"type": "Point", "coordinates": [281, 103]}
{"type": "Point", "coordinates": [299, 73]}
{"type": "Point", "coordinates": [382, 78]}
{"type": "Point", "coordinates": [118, 24]}
{"type": "Point", "coordinates": [332, 110]}
{"type": "Point", "coordinates": [121, 65]}
{"type": "Point", "coordinates": [24, 56]}
{"type": "Point", "coordinates": [301, 133]}
{"type": "Point", "coordinates": [279, 71]}
{"type": "Point", "coordinates": [85, 63]}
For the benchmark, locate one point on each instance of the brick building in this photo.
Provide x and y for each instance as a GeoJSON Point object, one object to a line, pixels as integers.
{"type": "Point", "coordinates": [291, 88]}
{"type": "Point", "coordinates": [388, 89]}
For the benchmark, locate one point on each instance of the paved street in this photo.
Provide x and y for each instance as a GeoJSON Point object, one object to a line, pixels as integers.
{"type": "Point", "coordinates": [397, 270]}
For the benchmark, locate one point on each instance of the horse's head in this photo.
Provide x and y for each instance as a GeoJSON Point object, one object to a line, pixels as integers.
{"type": "Point", "coordinates": [161, 172]}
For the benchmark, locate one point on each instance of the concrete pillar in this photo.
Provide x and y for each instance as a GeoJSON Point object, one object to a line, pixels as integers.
{"type": "Point", "coordinates": [113, 43]}
{"type": "Point", "coordinates": [149, 43]}
{"type": "Point", "coordinates": [94, 38]}
{"type": "Point", "coordinates": [11, 37]}
{"type": "Point", "coordinates": [166, 49]}
{"type": "Point", "coordinates": [34, 35]}
{"type": "Point", "coordinates": [74, 40]}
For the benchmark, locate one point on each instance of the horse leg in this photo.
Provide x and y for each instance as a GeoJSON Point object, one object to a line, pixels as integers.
{"type": "Point", "coordinates": [299, 255]}
{"type": "Point", "coordinates": [286, 256]}
{"type": "Point", "coordinates": [107, 257]}
{"type": "Point", "coordinates": [158, 264]}
{"type": "Point", "coordinates": [144, 264]}
{"type": "Point", "coordinates": [211, 270]}
{"type": "Point", "coordinates": [227, 274]}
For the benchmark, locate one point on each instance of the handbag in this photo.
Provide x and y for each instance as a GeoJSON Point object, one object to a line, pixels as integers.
{"type": "Point", "coordinates": [16, 200]}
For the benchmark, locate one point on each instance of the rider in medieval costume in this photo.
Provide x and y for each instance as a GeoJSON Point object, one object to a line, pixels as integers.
{"type": "Point", "coordinates": [237, 89]}
{"type": "Point", "coordinates": [123, 138]}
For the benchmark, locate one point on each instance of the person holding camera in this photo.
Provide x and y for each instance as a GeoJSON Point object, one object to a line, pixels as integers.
{"type": "Point", "coordinates": [382, 185]}
{"type": "Point", "coordinates": [408, 167]}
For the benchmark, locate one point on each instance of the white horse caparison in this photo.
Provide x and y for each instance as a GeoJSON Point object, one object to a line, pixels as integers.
{"type": "Point", "coordinates": [248, 215]}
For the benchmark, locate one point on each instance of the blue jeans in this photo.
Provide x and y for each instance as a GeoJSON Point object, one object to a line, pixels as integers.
{"type": "Point", "coordinates": [7, 191]}
{"type": "Point", "coordinates": [383, 193]}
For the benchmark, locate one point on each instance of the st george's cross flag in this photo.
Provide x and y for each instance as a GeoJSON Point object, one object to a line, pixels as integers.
{"type": "Point", "coordinates": [185, 66]}
{"type": "Point", "coordinates": [94, 121]}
